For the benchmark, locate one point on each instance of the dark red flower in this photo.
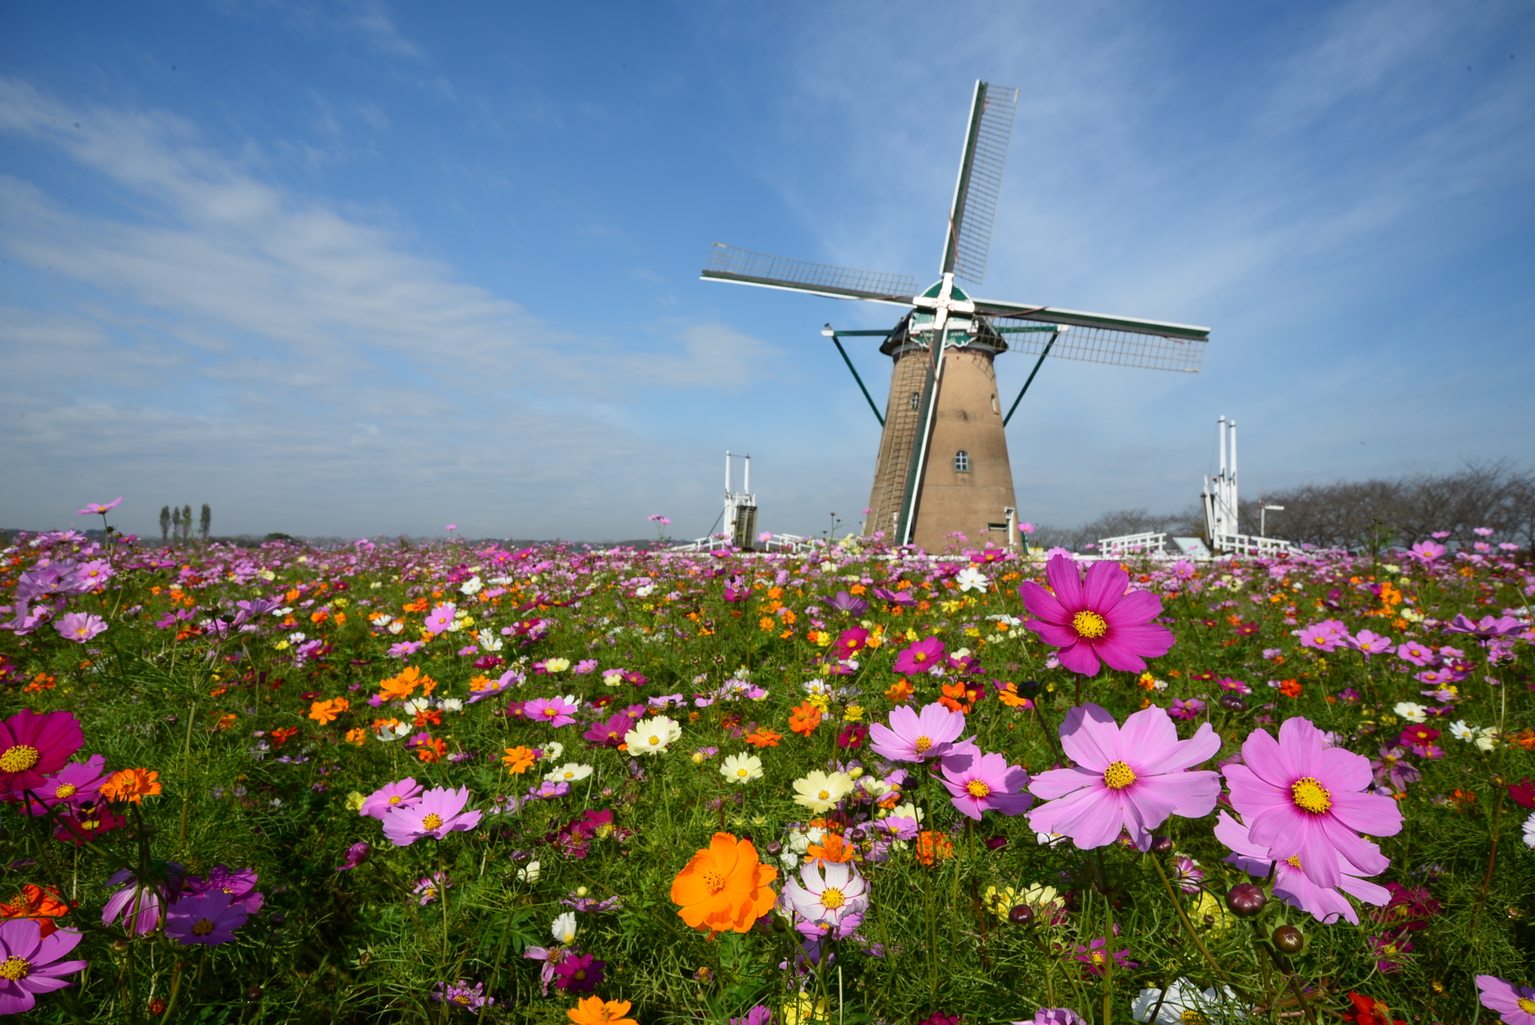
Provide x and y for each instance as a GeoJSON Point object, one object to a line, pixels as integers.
{"type": "Point", "coordinates": [35, 744]}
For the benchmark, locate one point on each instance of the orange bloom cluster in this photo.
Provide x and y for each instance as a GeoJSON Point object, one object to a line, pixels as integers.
{"type": "Point", "coordinates": [1010, 697]}
{"type": "Point", "coordinates": [960, 697]}
{"type": "Point", "coordinates": [431, 750]}
{"type": "Point", "coordinates": [131, 785]}
{"type": "Point", "coordinates": [724, 886]}
{"type": "Point", "coordinates": [35, 902]}
{"type": "Point", "coordinates": [596, 1011]}
{"type": "Point", "coordinates": [832, 848]}
{"type": "Point", "coordinates": [398, 688]}
{"type": "Point", "coordinates": [1290, 688]}
{"type": "Point", "coordinates": [326, 711]}
{"type": "Point", "coordinates": [804, 718]}
{"type": "Point", "coordinates": [763, 737]}
{"type": "Point", "coordinates": [900, 691]}
{"type": "Point", "coordinates": [932, 846]}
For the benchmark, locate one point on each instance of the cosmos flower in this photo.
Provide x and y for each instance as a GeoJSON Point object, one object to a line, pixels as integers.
{"type": "Point", "coordinates": [827, 894]}
{"type": "Point", "coordinates": [1182, 1001]}
{"type": "Point", "coordinates": [1515, 1003]}
{"type": "Point", "coordinates": [653, 736]}
{"type": "Point", "coordinates": [138, 905]}
{"type": "Point", "coordinates": [579, 973]}
{"type": "Point", "coordinates": [355, 855]}
{"type": "Point", "coordinates": [610, 733]}
{"type": "Point", "coordinates": [76, 783]}
{"type": "Point", "coordinates": [920, 657]}
{"type": "Point", "coordinates": [555, 711]}
{"type": "Point", "coordinates": [391, 797]}
{"type": "Point", "coordinates": [820, 791]}
{"type": "Point", "coordinates": [984, 782]}
{"type": "Point", "coordinates": [916, 736]}
{"type": "Point", "coordinates": [1301, 798]}
{"type": "Point", "coordinates": [1094, 619]}
{"type": "Point", "coordinates": [724, 886]}
{"type": "Point", "coordinates": [741, 768]}
{"type": "Point", "coordinates": [35, 744]}
{"type": "Point", "coordinates": [439, 812]}
{"type": "Point", "coordinates": [79, 626]}
{"type": "Point", "coordinates": [207, 919]}
{"type": "Point", "coordinates": [596, 1011]}
{"type": "Point", "coordinates": [1291, 885]}
{"type": "Point", "coordinates": [1129, 778]}
{"type": "Point", "coordinates": [30, 962]}
{"type": "Point", "coordinates": [461, 994]}
{"type": "Point", "coordinates": [94, 509]}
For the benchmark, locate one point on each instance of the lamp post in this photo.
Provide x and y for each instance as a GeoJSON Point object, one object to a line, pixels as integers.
{"type": "Point", "coordinates": [1262, 513]}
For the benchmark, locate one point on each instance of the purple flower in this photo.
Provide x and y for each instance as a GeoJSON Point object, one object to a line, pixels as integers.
{"type": "Point", "coordinates": [610, 733]}
{"type": "Point", "coordinates": [355, 855]}
{"type": "Point", "coordinates": [1392, 767]}
{"type": "Point", "coordinates": [76, 783]}
{"type": "Point", "coordinates": [1426, 551]}
{"type": "Point", "coordinates": [980, 782]}
{"type": "Point", "coordinates": [440, 618]}
{"type": "Point", "coordinates": [1368, 643]}
{"type": "Point", "coordinates": [239, 884]}
{"type": "Point", "coordinates": [579, 973]}
{"type": "Point", "coordinates": [1096, 954]}
{"type": "Point", "coordinates": [921, 657]}
{"type": "Point", "coordinates": [440, 812]}
{"type": "Point", "coordinates": [916, 736]}
{"type": "Point", "coordinates": [1129, 778]}
{"type": "Point", "coordinates": [462, 995]}
{"type": "Point", "coordinates": [844, 602]}
{"type": "Point", "coordinates": [758, 1015]}
{"type": "Point", "coordinates": [34, 744]}
{"type": "Point", "coordinates": [1305, 800]}
{"type": "Point", "coordinates": [1095, 619]}
{"type": "Point", "coordinates": [1490, 626]}
{"type": "Point", "coordinates": [1053, 1016]}
{"type": "Point", "coordinates": [139, 905]}
{"type": "Point", "coordinates": [391, 797]}
{"type": "Point", "coordinates": [1323, 636]}
{"type": "Point", "coordinates": [1186, 710]}
{"type": "Point", "coordinates": [208, 919]}
{"type": "Point", "coordinates": [79, 626]}
{"type": "Point", "coordinates": [29, 962]}
{"type": "Point", "coordinates": [1515, 1003]}
{"type": "Point", "coordinates": [1324, 903]}
{"type": "Point", "coordinates": [430, 889]}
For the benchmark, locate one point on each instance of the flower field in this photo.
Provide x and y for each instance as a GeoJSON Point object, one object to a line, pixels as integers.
{"type": "Point", "coordinates": [471, 781]}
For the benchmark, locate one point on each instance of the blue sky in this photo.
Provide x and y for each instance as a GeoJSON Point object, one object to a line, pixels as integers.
{"type": "Point", "coordinates": [373, 268]}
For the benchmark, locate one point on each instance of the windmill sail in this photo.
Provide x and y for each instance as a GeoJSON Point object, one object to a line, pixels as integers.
{"type": "Point", "coordinates": [968, 240]}
{"type": "Point", "coordinates": [728, 263]}
{"type": "Point", "coordinates": [1101, 338]}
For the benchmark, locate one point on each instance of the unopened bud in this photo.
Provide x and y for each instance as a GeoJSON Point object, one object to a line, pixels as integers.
{"type": "Point", "coordinates": [1233, 703]}
{"type": "Point", "coordinates": [1289, 939]}
{"type": "Point", "coordinates": [1161, 844]}
{"type": "Point", "coordinates": [1021, 914]}
{"type": "Point", "coordinates": [1246, 900]}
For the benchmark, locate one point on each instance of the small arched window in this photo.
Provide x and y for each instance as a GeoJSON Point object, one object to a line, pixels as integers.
{"type": "Point", "coordinates": [962, 461]}
{"type": "Point", "coordinates": [916, 399]}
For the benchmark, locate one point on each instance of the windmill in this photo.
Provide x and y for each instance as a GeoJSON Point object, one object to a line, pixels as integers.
{"type": "Point", "coordinates": [942, 465]}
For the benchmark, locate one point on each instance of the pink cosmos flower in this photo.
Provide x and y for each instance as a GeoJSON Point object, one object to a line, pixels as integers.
{"type": "Point", "coordinates": [1305, 800]}
{"type": "Point", "coordinates": [98, 508]}
{"type": "Point", "coordinates": [29, 962]}
{"type": "Point", "coordinates": [1129, 778]}
{"type": "Point", "coordinates": [139, 905]}
{"type": "Point", "coordinates": [916, 736]}
{"type": "Point", "coordinates": [920, 657]}
{"type": "Point", "coordinates": [391, 797]}
{"type": "Point", "coordinates": [1426, 551]}
{"type": "Point", "coordinates": [75, 783]}
{"type": "Point", "coordinates": [1291, 885]}
{"type": "Point", "coordinates": [830, 894]}
{"type": "Point", "coordinates": [79, 626]}
{"type": "Point", "coordinates": [1095, 619]}
{"type": "Point", "coordinates": [1515, 1003]}
{"type": "Point", "coordinates": [1489, 626]}
{"type": "Point", "coordinates": [34, 744]}
{"type": "Point", "coordinates": [440, 812]}
{"type": "Point", "coordinates": [980, 782]}
{"type": "Point", "coordinates": [440, 618]}
{"type": "Point", "coordinates": [1368, 643]}
{"type": "Point", "coordinates": [207, 919]}
{"type": "Point", "coordinates": [1323, 636]}
{"type": "Point", "coordinates": [355, 855]}
{"type": "Point", "coordinates": [554, 711]}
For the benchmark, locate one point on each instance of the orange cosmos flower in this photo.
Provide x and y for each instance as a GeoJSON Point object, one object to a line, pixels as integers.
{"type": "Point", "coordinates": [763, 737]}
{"type": "Point", "coordinates": [398, 688]}
{"type": "Point", "coordinates": [832, 848]}
{"type": "Point", "coordinates": [282, 736]}
{"type": "Point", "coordinates": [596, 1011]}
{"type": "Point", "coordinates": [804, 718]}
{"type": "Point", "coordinates": [933, 846]}
{"type": "Point", "coordinates": [35, 902]}
{"type": "Point", "coordinates": [956, 697]}
{"type": "Point", "coordinates": [900, 692]}
{"type": "Point", "coordinates": [326, 711]}
{"type": "Point", "coordinates": [518, 760]}
{"type": "Point", "coordinates": [131, 785]}
{"type": "Point", "coordinates": [724, 886]}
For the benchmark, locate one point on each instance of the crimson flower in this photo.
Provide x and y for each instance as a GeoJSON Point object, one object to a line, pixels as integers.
{"type": "Point", "coordinates": [34, 744]}
{"type": "Point", "coordinates": [1095, 618]}
{"type": "Point", "coordinates": [920, 657]}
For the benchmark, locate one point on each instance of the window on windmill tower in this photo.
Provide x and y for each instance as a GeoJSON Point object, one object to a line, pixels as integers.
{"type": "Point", "coordinates": [994, 407]}
{"type": "Point", "coordinates": [962, 461]}
{"type": "Point", "coordinates": [916, 399]}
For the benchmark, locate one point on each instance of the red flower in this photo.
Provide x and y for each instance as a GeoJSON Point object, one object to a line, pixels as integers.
{"type": "Point", "coordinates": [1369, 1011]}
{"type": "Point", "coordinates": [34, 744]}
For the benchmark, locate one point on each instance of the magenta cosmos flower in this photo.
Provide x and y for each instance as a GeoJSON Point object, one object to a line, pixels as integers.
{"type": "Point", "coordinates": [1515, 1003]}
{"type": "Point", "coordinates": [208, 919]}
{"type": "Point", "coordinates": [29, 962]}
{"type": "Point", "coordinates": [921, 657]}
{"type": "Point", "coordinates": [34, 744]}
{"type": "Point", "coordinates": [391, 797]}
{"type": "Point", "coordinates": [555, 711]}
{"type": "Point", "coordinates": [1129, 778]}
{"type": "Point", "coordinates": [1095, 619]}
{"type": "Point", "coordinates": [76, 783]}
{"type": "Point", "coordinates": [984, 782]}
{"type": "Point", "coordinates": [1291, 885]}
{"type": "Point", "coordinates": [916, 736]}
{"type": "Point", "coordinates": [440, 812]}
{"type": "Point", "coordinates": [79, 626]}
{"type": "Point", "coordinates": [1302, 799]}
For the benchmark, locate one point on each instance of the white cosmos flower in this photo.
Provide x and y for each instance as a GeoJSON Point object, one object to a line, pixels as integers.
{"type": "Point", "coordinates": [820, 791]}
{"type": "Point", "coordinates": [471, 586]}
{"type": "Point", "coordinates": [972, 579]}
{"type": "Point", "coordinates": [1460, 731]}
{"type": "Point", "coordinates": [529, 872]}
{"type": "Point", "coordinates": [397, 627]}
{"type": "Point", "coordinates": [450, 704]}
{"type": "Point", "coordinates": [741, 768]}
{"type": "Point", "coordinates": [1486, 738]}
{"type": "Point", "coordinates": [653, 736]}
{"type": "Point", "coordinates": [1529, 830]}
{"type": "Point", "coordinates": [488, 640]}
{"type": "Point", "coordinates": [553, 751]}
{"type": "Point", "coordinates": [564, 928]}
{"type": "Point", "coordinates": [1411, 711]}
{"type": "Point", "coordinates": [1183, 1002]}
{"type": "Point", "coordinates": [570, 772]}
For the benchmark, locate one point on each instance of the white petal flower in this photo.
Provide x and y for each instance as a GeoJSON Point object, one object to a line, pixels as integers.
{"type": "Point", "coordinates": [564, 928]}
{"type": "Point", "coordinates": [653, 736]}
{"type": "Point", "coordinates": [972, 579]}
{"type": "Point", "coordinates": [570, 772]}
{"type": "Point", "coordinates": [741, 768]}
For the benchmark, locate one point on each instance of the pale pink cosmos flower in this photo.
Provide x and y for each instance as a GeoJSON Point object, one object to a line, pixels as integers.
{"type": "Point", "coordinates": [79, 626]}
{"type": "Point", "coordinates": [99, 508]}
{"type": "Point", "coordinates": [1291, 885]}
{"type": "Point", "coordinates": [440, 618]}
{"type": "Point", "coordinates": [829, 894]}
{"type": "Point", "coordinates": [1301, 798]}
{"type": "Point", "coordinates": [984, 782]}
{"type": "Point", "coordinates": [1131, 778]}
{"type": "Point", "coordinates": [1095, 618]}
{"type": "Point", "coordinates": [916, 736]}
{"type": "Point", "coordinates": [440, 812]}
{"type": "Point", "coordinates": [391, 796]}
{"type": "Point", "coordinates": [1515, 1003]}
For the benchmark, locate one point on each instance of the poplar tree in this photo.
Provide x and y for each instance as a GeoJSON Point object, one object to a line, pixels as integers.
{"type": "Point", "coordinates": [165, 524]}
{"type": "Point", "coordinates": [176, 523]}
{"type": "Point", "coordinates": [186, 522]}
{"type": "Point", "coordinates": [207, 521]}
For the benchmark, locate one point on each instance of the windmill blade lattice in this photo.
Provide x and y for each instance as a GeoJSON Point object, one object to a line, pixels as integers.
{"type": "Point", "coordinates": [728, 263]}
{"type": "Point", "coordinates": [1107, 345]}
{"type": "Point", "coordinates": [968, 240]}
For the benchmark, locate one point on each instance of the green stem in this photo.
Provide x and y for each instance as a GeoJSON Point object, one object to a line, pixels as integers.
{"type": "Point", "coordinates": [1156, 863]}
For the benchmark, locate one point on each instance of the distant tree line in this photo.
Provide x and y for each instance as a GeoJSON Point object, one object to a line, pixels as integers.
{"type": "Point", "coordinates": [177, 523]}
{"type": "Point", "coordinates": [1366, 515]}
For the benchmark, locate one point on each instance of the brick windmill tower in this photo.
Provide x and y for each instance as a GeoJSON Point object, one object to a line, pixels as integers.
{"type": "Point", "coordinates": [943, 466]}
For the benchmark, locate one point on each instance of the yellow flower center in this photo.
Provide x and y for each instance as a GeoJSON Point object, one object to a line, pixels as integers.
{"type": "Point", "coordinates": [1089, 624]}
{"type": "Point", "coordinates": [65, 791]}
{"type": "Point", "coordinates": [1525, 1003]}
{"type": "Point", "coordinates": [395, 799]}
{"type": "Point", "coordinates": [743, 773]}
{"type": "Point", "coordinates": [15, 968]}
{"type": "Point", "coordinates": [431, 821]}
{"type": "Point", "coordinates": [1192, 1017]}
{"type": "Point", "coordinates": [202, 928]}
{"type": "Point", "coordinates": [19, 758]}
{"type": "Point", "coordinates": [922, 744]}
{"type": "Point", "coordinates": [1311, 795]}
{"type": "Point", "coordinates": [1118, 776]}
{"type": "Point", "coordinates": [713, 880]}
{"type": "Point", "coordinates": [977, 788]}
{"type": "Point", "coordinates": [824, 795]}
{"type": "Point", "coordinates": [1293, 861]}
{"type": "Point", "coordinates": [832, 899]}
{"type": "Point", "coordinates": [654, 740]}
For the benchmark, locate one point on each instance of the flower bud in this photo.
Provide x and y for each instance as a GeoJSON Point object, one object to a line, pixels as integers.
{"type": "Point", "coordinates": [1289, 939]}
{"type": "Point", "coordinates": [1233, 703]}
{"type": "Point", "coordinates": [1161, 844]}
{"type": "Point", "coordinates": [1246, 900]}
{"type": "Point", "coordinates": [1029, 688]}
{"type": "Point", "coordinates": [1021, 914]}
